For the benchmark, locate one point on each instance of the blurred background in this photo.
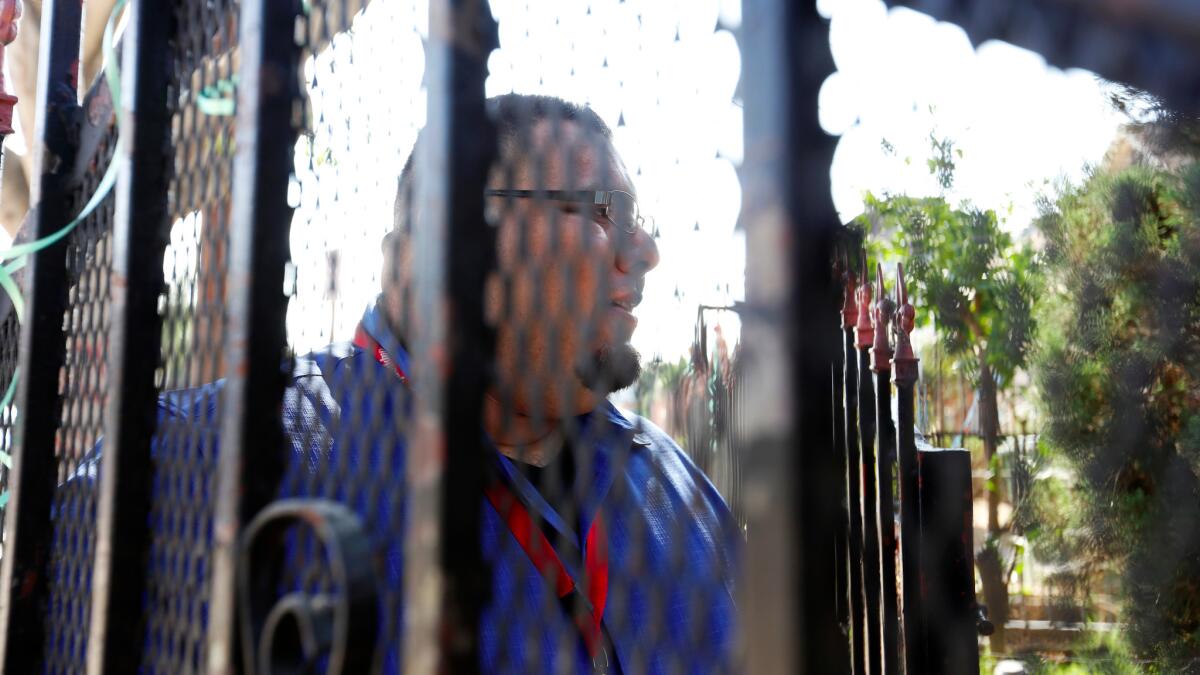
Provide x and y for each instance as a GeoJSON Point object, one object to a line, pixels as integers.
{"type": "Point", "coordinates": [1050, 221]}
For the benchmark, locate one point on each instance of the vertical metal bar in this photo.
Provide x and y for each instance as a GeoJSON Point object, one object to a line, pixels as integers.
{"type": "Point", "coordinates": [139, 240]}
{"type": "Point", "coordinates": [872, 572]}
{"type": "Point", "coordinates": [881, 364]}
{"type": "Point", "coordinates": [251, 459]}
{"type": "Point", "coordinates": [948, 562]}
{"type": "Point", "coordinates": [854, 493]}
{"type": "Point", "coordinates": [905, 364]}
{"type": "Point", "coordinates": [446, 582]}
{"type": "Point", "coordinates": [789, 584]}
{"type": "Point", "coordinates": [23, 583]}
{"type": "Point", "coordinates": [841, 547]}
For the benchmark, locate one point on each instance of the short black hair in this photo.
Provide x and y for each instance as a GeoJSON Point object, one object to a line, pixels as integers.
{"type": "Point", "coordinates": [514, 116]}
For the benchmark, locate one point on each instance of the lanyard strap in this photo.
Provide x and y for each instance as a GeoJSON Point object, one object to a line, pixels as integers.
{"type": "Point", "coordinates": [363, 340]}
{"type": "Point", "coordinates": [533, 541]}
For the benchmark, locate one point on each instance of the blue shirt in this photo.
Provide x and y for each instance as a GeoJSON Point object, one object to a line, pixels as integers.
{"type": "Point", "coordinates": [672, 540]}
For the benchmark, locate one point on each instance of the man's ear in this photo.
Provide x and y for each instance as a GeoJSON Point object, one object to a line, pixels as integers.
{"type": "Point", "coordinates": [394, 247]}
{"type": "Point", "coordinates": [390, 243]}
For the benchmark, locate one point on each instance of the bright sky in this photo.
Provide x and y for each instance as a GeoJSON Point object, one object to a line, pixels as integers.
{"type": "Point", "coordinates": [663, 74]}
{"type": "Point", "coordinates": [901, 75]}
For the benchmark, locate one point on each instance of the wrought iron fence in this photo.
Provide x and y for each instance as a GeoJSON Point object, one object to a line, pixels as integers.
{"type": "Point", "coordinates": [203, 483]}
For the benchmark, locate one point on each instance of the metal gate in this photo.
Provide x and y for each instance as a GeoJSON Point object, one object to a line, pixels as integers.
{"type": "Point", "coordinates": [195, 487]}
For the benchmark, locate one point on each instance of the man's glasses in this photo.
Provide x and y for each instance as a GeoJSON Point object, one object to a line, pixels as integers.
{"type": "Point", "coordinates": [618, 206]}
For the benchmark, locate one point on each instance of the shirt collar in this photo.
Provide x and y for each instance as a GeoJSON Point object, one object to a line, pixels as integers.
{"type": "Point", "coordinates": [376, 325]}
{"type": "Point", "coordinates": [601, 459]}
{"type": "Point", "coordinates": [618, 435]}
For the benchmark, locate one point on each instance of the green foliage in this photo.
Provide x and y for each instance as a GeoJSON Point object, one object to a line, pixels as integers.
{"type": "Point", "coordinates": [970, 278]}
{"type": "Point", "coordinates": [1095, 654]}
{"type": "Point", "coordinates": [655, 376]}
{"type": "Point", "coordinates": [1118, 368]}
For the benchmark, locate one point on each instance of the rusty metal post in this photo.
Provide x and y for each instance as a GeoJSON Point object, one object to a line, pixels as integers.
{"type": "Point", "coordinates": [948, 562]}
{"type": "Point", "coordinates": [905, 364]}
{"type": "Point", "coordinates": [23, 582]}
{"type": "Point", "coordinates": [854, 476]}
{"type": "Point", "coordinates": [251, 458]}
{"type": "Point", "coordinates": [881, 365]}
{"type": "Point", "coordinates": [872, 571]}
{"type": "Point", "coordinates": [140, 230]}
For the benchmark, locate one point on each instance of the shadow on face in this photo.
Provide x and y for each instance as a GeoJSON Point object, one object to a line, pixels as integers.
{"type": "Point", "coordinates": [566, 279]}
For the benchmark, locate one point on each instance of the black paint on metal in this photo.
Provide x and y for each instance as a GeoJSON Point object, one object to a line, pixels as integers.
{"type": "Point", "coordinates": [858, 598]}
{"type": "Point", "coordinates": [32, 483]}
{"type": "Point", "coordinates": [910, 530]}
{"type": "Point", "coordinates": [841, 548]}
{"type": "Point", "coordinates": [808, 62]}
{"type": "Point", "coordinates": [301, 632]}
{"type": "Point", "coordinates": [139, 240]}
{"type": "Point", "coordinates": [884, 469]}
{"type": "Point", "coordinates": [872, 570]}
{"type": "Point", "coordinates": [791, 225]}
{"type": "Point", "coordinates": [251, 458]}
{"type": "Point", "coordinates": [470, 257]}
{"type": "Point", "coordinates": [947, 565]}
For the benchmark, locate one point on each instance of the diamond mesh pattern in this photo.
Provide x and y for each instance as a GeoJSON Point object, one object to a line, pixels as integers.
{"type": "Point", "coordinates": [664, 612]}
{"type": "Point", "coordinates": [345, 416]}
{"type": "Point", "coordinates": [82, 387]}
{"type": "Point", "coordinates": [193, 311]}
{"type": "Point", "coordinates": [10, 342]}
{"type": "Point", "coordinates": [359, 124]}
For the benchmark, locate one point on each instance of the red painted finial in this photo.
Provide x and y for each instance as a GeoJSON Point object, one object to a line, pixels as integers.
{"type": "Point", "coordinates": [849, 308]}
{"type": "Point", "coordinates": [866, 333]}
{"type": "Point", "coordinates": [10, 14]}
{"type": "Point", "coordinates": [906, 315]}
{"type": "Point", "coordinates": [881, 315]}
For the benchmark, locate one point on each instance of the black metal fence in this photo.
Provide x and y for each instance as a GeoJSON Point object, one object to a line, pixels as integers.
{"type": "Point", "coordinates": [904, 553]}
{"type": "Point", "coordinates": [196, 488]}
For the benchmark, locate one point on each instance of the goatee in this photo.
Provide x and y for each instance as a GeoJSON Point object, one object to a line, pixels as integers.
{"type": "Point", "coordinates": [610, 368]}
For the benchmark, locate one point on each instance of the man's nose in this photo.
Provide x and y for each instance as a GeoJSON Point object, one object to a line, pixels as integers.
{"type": "Point", "coordinates": [637, 253]}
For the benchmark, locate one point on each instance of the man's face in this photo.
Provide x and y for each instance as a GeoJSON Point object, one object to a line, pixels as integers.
{"type": "Point", "coordinates": [567, 278]}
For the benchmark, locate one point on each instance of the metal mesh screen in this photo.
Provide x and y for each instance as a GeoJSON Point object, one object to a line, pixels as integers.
{"type": "Point", "coordinates": [344, 414]}
{"type": "Point", "coordinates": [193, 311]}
{"type": "Point", "coordinates": [10, 342]}
{"type": "Point", "coordinates": [567, 278]}
{"type": "Point", "coordinates": [564, 323]}
{"type": "Point", "coordinates": [610, 280]}
{"type": "Point", "coordinates": [83, 390]}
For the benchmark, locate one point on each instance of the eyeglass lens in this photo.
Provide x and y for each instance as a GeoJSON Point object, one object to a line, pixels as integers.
{"type": "Point", "coordinates": [623, 211]}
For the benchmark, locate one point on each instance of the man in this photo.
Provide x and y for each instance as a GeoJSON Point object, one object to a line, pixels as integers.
{"type": "Point", "coordinates": [633, 547]}
{"type": "Point", "coordinates": [569, 273]}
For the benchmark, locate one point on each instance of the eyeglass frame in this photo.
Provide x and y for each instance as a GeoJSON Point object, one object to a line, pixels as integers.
{"type": "Point", "coordinates": [599, 199]}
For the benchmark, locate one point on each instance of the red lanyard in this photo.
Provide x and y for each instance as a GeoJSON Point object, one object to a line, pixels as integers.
{"type": "Point", "coordinates": [533, 541]}
{"type": "Point", "coordinates": [363, 340]}
{"type": "Point", "coordinates": [542, 555]}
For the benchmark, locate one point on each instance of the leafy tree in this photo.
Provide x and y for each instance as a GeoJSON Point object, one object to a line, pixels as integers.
{"type": "Point", "coordinates": [1118, 368]}
{"type": "Point", "coordinates": [975, 288]}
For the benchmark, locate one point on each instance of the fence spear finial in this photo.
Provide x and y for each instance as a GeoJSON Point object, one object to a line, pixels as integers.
{"type": "Point", "coordinates": [881, 315]}
{"type": "Point", "coordinates": [906, 314]}
{"type": "Point", "coordinates": [865, 331]}
{"type": "Point", "coordinates": [849, 308]}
